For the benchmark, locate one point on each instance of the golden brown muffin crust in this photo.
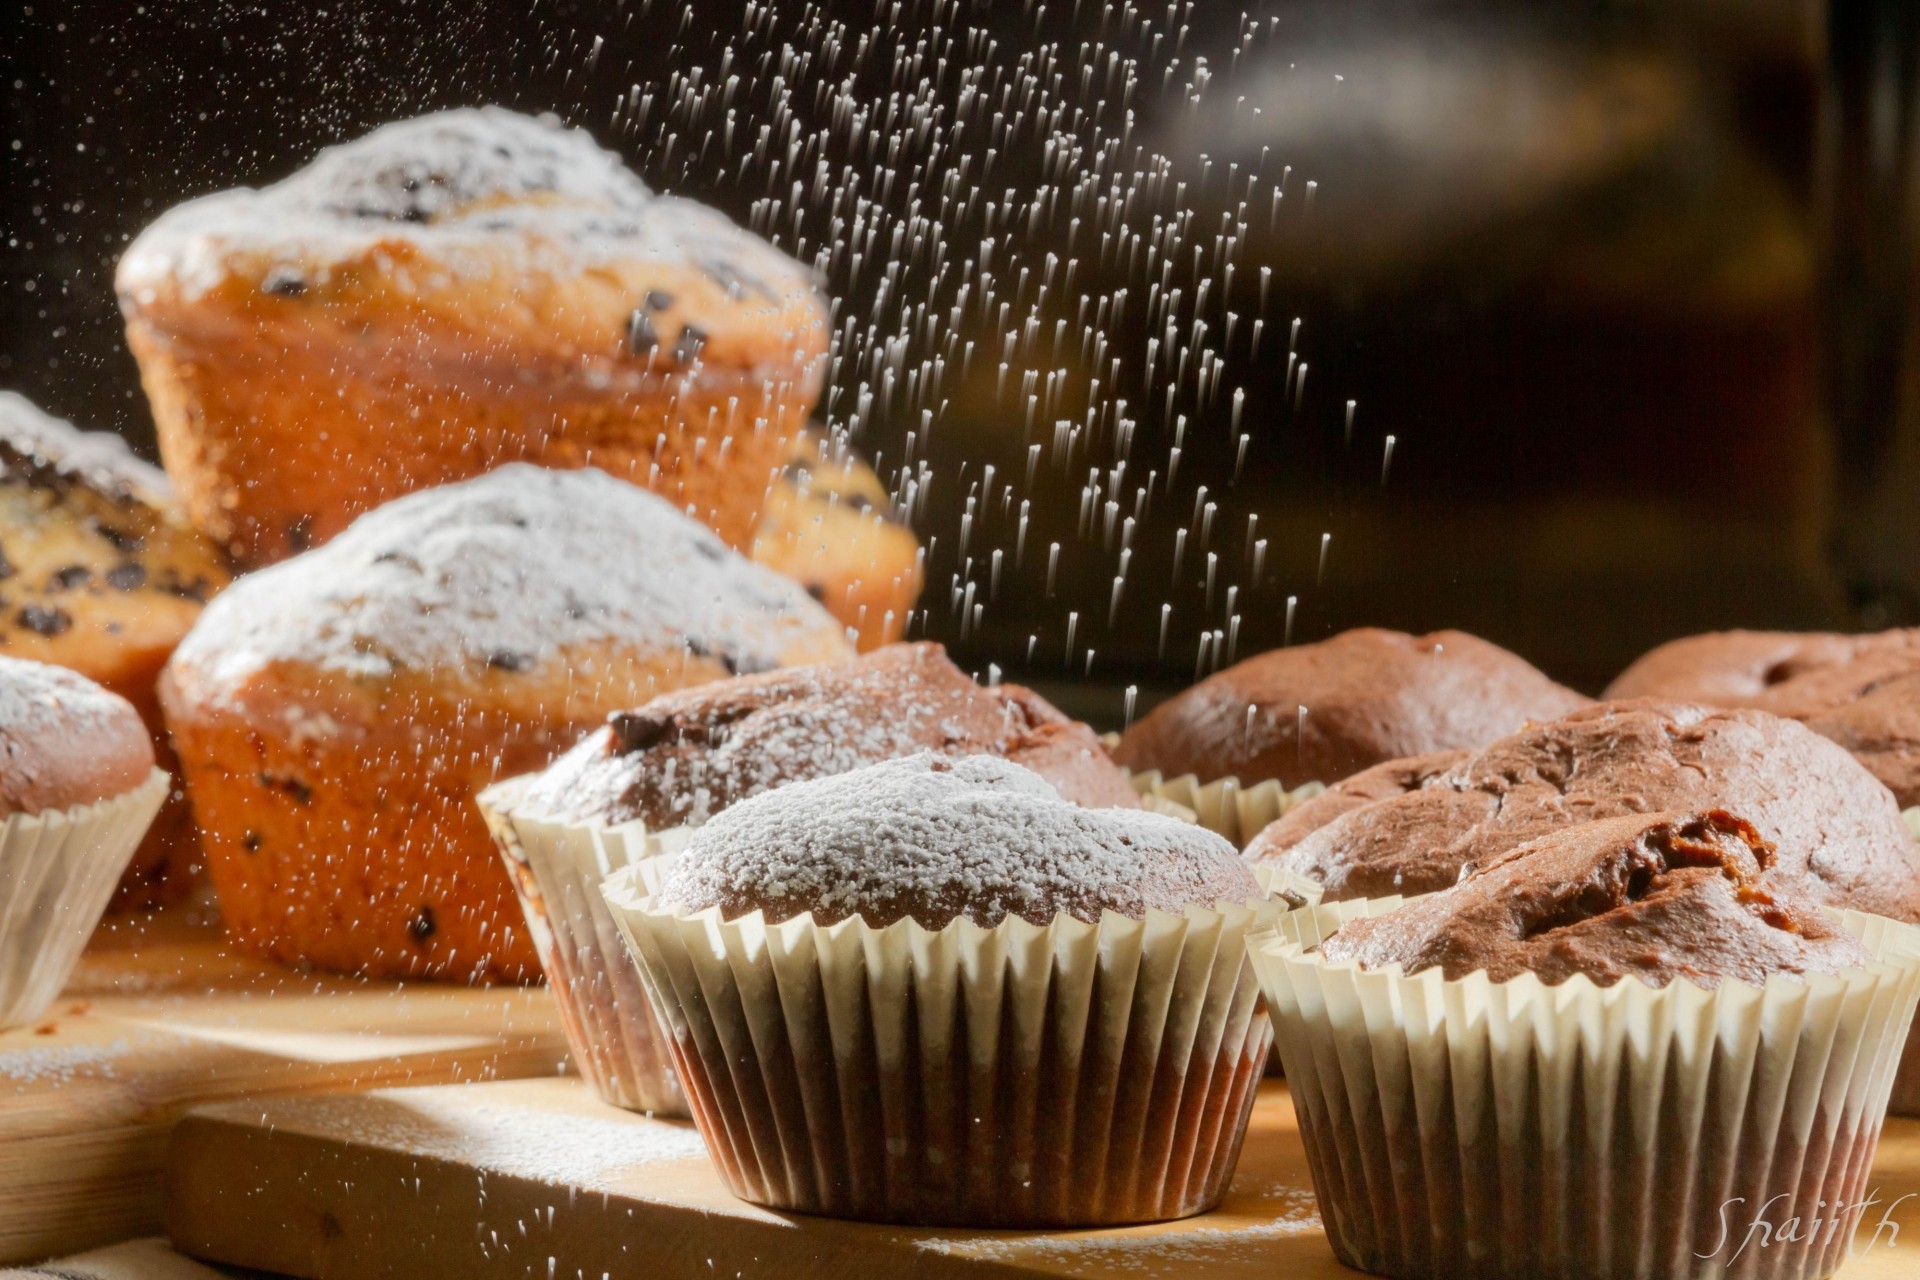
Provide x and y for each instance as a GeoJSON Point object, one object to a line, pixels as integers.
{"type": "Point", "coordinates": [1320, 712]}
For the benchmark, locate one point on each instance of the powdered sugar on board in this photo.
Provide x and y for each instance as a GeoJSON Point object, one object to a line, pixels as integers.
{"type": "Point", "coordinates": [587, 1150]}
{"type": "Point", "coordinates": [509, 571]}
{"type": "Point", "coordinates": [933, 838]}
{"type": "Point", "coordinates": [458, 184]}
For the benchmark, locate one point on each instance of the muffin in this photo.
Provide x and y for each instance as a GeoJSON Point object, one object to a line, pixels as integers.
{"type": "Point", "coordinates": [1319, 712]}
{"type": "Point", "coordinates": [101, 573]}
{"type": "Point", "coordinates": [78, 788]}
{"type": "Point", "coordinates": [336, 714]}
{"type": "Point", "coordinates": [1840, 834]}
{"type": "Point", "coordinates": [830, 525]}
{"type": "Point", "coordinates": [1861, 691]}
{"type": "Point", "coordinates": [1575, 1061]}
{"type": "Point", "coordinates": [454, 292]}
{"type": "Point", "coordinates": [932, 991]}
{"type": "Point", "coordinates": [688, 755]}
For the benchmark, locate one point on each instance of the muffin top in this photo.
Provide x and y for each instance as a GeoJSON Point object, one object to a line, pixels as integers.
{"type": "Point", "coordinates": [934, 838]}
{"type": "Point", "coordinates": [1839, 833]}
{"type": "Point", "coordinates": [1657, 897]}
{"type": "Point", "coordinates": [1319, 712]}
{"type": "Point", "coordinates": [98, 570]}
{"type": "Point", "coordinates": [65, 741]}
{"type": "Point", "coordinates": [1862, 691]}
{"type": "Point", "coordinates": [488, 224]}
{"type": "Point", "coordinates": [557, 580]}
{"type": "Point", "coordinates": [687, 755]}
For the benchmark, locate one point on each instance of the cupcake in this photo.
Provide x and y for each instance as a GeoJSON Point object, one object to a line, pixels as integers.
{"type": "Point", "coordinates": [1861, 691]}
{"type": "Point", "coordinates": [1598, 1055]}
{"type": "Point", "coordinates": [1318, 713]}
{"type": "Point", "coordinates": [337, 713]}
{"type": "Point", "coordinates": [100, 572]}
{"type": "Point", "coordinates": [933, 991]}
{"type": "Point", "coordinates": [78, 788]}
{"type": "Point", "coordinates": [830, 525]}
{"type": "Point", "coordinates": [451, 293]}
{"type": "Point", "coordinates": [639, 783]}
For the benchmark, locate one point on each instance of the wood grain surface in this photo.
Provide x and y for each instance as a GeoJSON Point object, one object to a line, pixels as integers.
{"type": "Point", "coordinates": [162, 1017]}
{"type": "Point", "coordinates": [535, 1178]}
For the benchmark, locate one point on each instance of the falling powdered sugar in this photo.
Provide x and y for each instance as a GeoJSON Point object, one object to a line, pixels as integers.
{"type": "Point", "coordinates": [935, 838]}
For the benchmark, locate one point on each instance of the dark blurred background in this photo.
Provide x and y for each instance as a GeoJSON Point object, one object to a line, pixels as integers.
{"type": "Point", "coordinates": [1628, 284]}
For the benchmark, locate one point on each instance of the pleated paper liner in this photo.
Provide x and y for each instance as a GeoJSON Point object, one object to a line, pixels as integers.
{"type": "Point", "coordinates": [1913, 820]}
{"type": "Point", "coordinates": [1520, 1130]}
{"type": "Point", "coordinates": [1225, 805]}
{"type": "Point", "coordinates": [557, 869]}
{"type": "Point", "coordinates": [1069, 1074]}
{"type": "Point", "coordinates": [57, 871]}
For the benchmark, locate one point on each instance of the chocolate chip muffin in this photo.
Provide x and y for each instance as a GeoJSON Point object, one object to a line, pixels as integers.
{"type": "Point", "coordinates": [688, 755]}
{"type": "Point", "coordinates": [451, 293]}
{"type": "Point", "coordinates": [337, 713]}
{"type": "Point", "coordinates": [101, 573]}
{"type": "Point", "coordinates": [1319, 712]}
{"type": "Point", "coordinates": [1862, 691]}
{"type": "Point", "coordinates": [1839, 833]}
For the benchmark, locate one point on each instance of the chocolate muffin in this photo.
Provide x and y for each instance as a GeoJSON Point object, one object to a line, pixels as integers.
{"type": "Point", "coordinates": [918, 1069]}
{"type": "Point", "coordinates": [1840, 835]}
{"type": "Point", "coordinates": [1320, 712]}
{"type": "Point", "coordinates": [1656, 897]}
{"type": "Point", "coordinates": [1580, 1058]}
{"type": "Point", "coordinates": [1861, 691]}
{"type": "Point", "coordinates": [687, 755]}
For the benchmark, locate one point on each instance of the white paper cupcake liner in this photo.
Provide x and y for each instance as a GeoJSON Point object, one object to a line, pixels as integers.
{"type": "Point", "coordinates": [1225, 806]}
{"type": "Point", "coordinates": [1516, 1129]}
{"type": "Point", "coordinates": [557, 869]}
{"type": "Point", "coordinates": [57, 872]}
{"type": "Point", "coordinates": [1069, 1074]}
{"type": "Point", "coordinates": [1912, 817]}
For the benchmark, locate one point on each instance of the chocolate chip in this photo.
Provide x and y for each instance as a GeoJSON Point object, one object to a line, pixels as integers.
{"type": "Point", "coordinates": [818, 592]}
{"type": "Point", "coordinates": [658, 299]}
{"type": "Point", "coordinates": [251, 841]}
{"type": "Point", "coordinates": [642, 338]}
{"type": "Point", "coordinates": [6, 567]}
{"type": "Point", "coordinates": [283, 283]}
{"type": "Point", "coordinates": [423, 925]}
{"type": "Point", "coordinates": [298, 790]}
{"type": "Point", "coordinates": [509, 660]}
{"type": "Point", "coordinates": [67, 577]}
{"type": "Point", "coordinates": [687, 348]}
{"type": "Point", "coordinates": [300, 533]}
{"type": "Point", "coordinates": [199, 590]}
{"type": "Point", "coordinates": [44, 619]}
{"type": "Point", "coordinates": [122, 541]}
{"type": "Point", "coordinates": [636, 730]}
{"type": "Point", "coordinates": [130, 576]}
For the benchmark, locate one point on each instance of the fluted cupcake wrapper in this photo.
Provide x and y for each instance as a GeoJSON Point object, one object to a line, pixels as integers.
{"type": "Point", "coordinates": [1517, 1129]}
{"type": "Point", "coordinates": [57, 872]}
{"type": "Point", "coordinates": [1905, 1098]}
{"type": "Point", "coordinates": [557, 869]}
{"type": "Point", "coordinates": [1224, 806]}
{"type": "Point", "coordinates": [1912, 817]}
{"type": "Point", "coordinates": [1070, 1074]}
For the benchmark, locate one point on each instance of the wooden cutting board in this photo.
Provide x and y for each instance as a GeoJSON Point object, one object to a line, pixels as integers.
{"type": "Point", "coordinates": [161, 1017]}
{"type": "Point", "coordinates": [536, 1179]}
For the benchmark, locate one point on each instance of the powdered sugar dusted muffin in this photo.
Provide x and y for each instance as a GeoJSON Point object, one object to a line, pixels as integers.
{"type": "Point", "coordinates": [337, 713]}
{"type": "Point", "coordinates": [450, 293]}
{"type": "Point", "coordinates": [978, 1013]}
{"type": "Point", "coordinates": [100, 572]}
{"type": "Point", "coordinates": [687, 755]}
{"type": "Point", "coordinates": [78, 787]}
{"type": "Point", "coordinates": [1862, 691]}
{"type": "Point", "coordinates": [1319, 712]}
{"type": "Point", "coordinates": [934, 839]}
